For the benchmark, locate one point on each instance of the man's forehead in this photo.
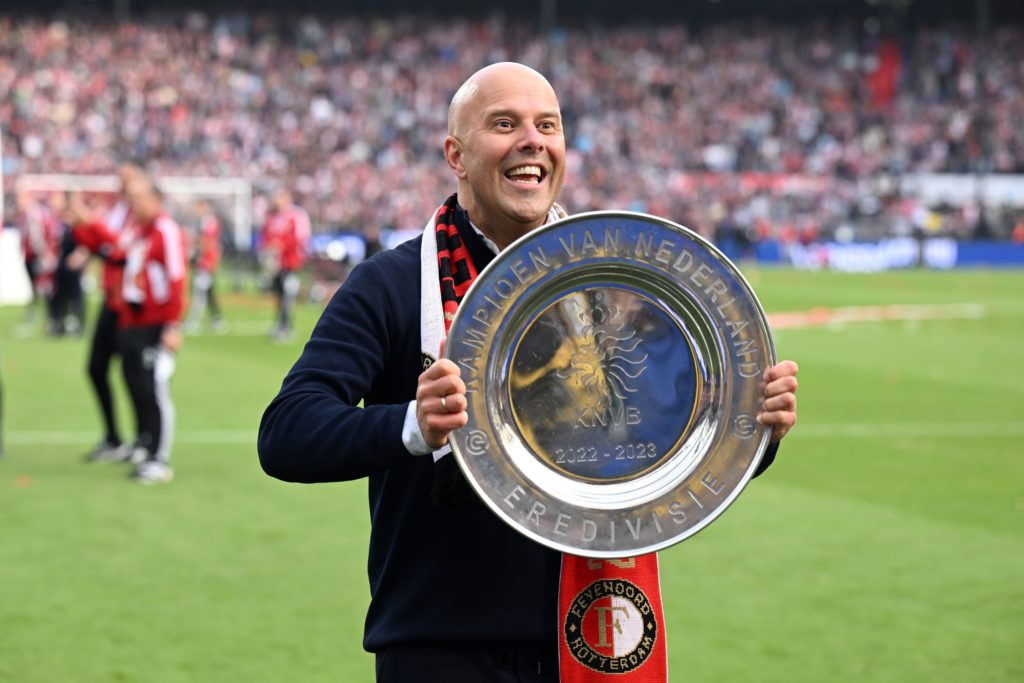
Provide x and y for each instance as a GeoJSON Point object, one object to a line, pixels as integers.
{"type": "Point", "coordinates": [518, 106]}
{"type": "Point", "coordinates": [466, 94]}
{"type": "Point", "coordinates": [487, 88]}
{"type": "Point", "coordinates": [512, 81]}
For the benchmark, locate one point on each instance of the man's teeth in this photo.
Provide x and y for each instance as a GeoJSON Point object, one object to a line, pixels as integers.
{"type": "Point", "coordinates": [525, 174]}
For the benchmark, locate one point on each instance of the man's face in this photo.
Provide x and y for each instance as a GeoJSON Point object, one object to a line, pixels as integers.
{"type": "Point", "coordinates": [57, 202]}
{"type": "Point", "coordinates": [144, 202]}
{"type": "Point", "coordinates": [508, 150]}
{"type": "Point", "coordinates": [126, 173]}
{"type": "Point", "coordinates": [23, 201]}
{"type": "Point", "coordinates": [282, 200]}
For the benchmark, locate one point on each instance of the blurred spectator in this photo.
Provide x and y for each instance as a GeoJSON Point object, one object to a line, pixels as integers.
{"type": "Point", "coordinates": [108, 239]}
{"type": "Point", "coordinates": [1018, 232]}
{"type": "Point", "coordinates": [372, 240]}
{"type": "Point", "coordinates": [148, 327]}
{"type": "Point", "coordinates": [39, 246]}
{"type": "Point", "coordinates": [151, 250]}
{"type": "Point", "coordinates": [205, 252]}
{"type": "Point", "coordinates": [67, 301]}
{"type": "Point", "coordinates": [283, 247]}
{"type": "Point", "coordinates": [345, 111]}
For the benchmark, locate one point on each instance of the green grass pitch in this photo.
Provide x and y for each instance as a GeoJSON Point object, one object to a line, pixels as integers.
{"type": "Point", "coordinates": [885, 545]}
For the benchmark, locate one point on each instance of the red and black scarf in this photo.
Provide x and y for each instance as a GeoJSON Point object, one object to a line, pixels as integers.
{"type": "Point", "coordinates": [454, 264]}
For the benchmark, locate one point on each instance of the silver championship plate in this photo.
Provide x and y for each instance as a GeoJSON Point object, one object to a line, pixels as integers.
{"type": "Point", "coordinates": [613, 366]}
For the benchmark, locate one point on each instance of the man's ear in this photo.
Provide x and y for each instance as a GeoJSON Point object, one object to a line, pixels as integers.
{"type": "Point", "coordinates": [453, 155]}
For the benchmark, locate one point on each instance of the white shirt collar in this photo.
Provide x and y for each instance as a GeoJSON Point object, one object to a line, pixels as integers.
{"type": "Point", "coordinates": [491, 244]}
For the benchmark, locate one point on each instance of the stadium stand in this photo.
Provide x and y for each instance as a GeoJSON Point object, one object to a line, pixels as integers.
{"type": "Point", "coordinates": [762, 130]}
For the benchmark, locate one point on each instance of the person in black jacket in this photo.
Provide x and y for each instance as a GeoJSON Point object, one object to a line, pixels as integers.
{"type": "Point", "coordinates": [456, 594]}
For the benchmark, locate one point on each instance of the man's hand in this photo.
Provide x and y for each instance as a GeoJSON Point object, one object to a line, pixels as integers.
{"type": "Point", "coordinates": [778, 408]}
{"type": "Point", "coordinates": [78, 258]}
{"type": "Point", "coordinates": [77, 212]}
{"type": "Point", "coordinates": [440, 402]}
{"type": "Point", "coordinates": [170, 338]}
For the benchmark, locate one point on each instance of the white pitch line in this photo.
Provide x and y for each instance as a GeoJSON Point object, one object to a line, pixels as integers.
{"type": "Point", "coordinates": [68, 438]}
{"type": "Point", "coordinates": [910, 430]}
{"type": "Point", "coordinates": [861, 314]}
{"type": "Point", "coordinates": [237, 328]}
{"type": "Point", "coordinates": [851, 430]}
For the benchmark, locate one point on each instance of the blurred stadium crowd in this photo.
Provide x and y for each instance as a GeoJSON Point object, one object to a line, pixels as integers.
{"type": "Point", "coordinates": [789, 132]}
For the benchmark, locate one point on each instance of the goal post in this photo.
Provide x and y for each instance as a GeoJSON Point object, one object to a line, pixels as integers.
{"type": "Point", "coordinates": [230, 197]}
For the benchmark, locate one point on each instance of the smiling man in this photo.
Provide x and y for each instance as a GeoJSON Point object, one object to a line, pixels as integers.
{"type": "Point", "coordinates": [506, 147]}
{"type": "Point", "coordinates": [456, 594]}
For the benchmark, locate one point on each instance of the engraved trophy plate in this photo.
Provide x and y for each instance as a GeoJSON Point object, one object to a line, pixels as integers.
{"type": "Point", "coordinates": [613, 367]}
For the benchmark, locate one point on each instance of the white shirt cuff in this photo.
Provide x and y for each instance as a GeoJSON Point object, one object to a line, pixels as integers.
{"type": "Point", "coordinates": [412, 437]}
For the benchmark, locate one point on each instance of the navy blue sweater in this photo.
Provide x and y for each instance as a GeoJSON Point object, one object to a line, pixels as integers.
{"type": "Point", "coordinates": [451, 573]}
{"type": "Point", "coordinates": [439, 573]}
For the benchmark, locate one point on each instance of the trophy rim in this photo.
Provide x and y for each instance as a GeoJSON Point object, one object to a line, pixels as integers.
{"type": "Point", "coordinates": [489, 496]}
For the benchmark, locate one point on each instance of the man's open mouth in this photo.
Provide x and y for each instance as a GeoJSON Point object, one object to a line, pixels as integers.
{"type": "Point", "coordinates": [527, 174]}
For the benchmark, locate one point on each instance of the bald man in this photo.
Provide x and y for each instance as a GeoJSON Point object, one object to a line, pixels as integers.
{"type": "Point", "coordinates": [456, 594]}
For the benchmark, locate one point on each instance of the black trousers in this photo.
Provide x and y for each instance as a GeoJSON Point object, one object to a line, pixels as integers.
{"type": "Point", "coordinates": [68, 302]}
{"type": "Point", "coordinates": [147, 370]}
{"type": "Point", "coordinates": [286, 288]}
{"type": "Point", "coordinates": [433, 664]}
{"type": "Point", "coordinates": [101, 353]}
{"type": "Point", "coordinates": [204, 295]}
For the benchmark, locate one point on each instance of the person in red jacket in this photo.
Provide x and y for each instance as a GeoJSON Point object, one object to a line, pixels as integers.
{"type": "Point", "coordinates": [283, 252]}
{"type": "Point", "coordinates": [151, 300]}
{"type": "Point", "coordinates": [149, 327]}
{"type": "Point", "coordinates": [39, 245]}
{"type": "Point", "coordinates": [205, 250]}
{"type": "Point", "coordinates": [106, 239]}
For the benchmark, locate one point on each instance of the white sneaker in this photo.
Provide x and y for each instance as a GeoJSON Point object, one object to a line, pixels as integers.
{"type": "Point", "coordinates": [109, 452]}
{"type": "Point", "coordinates": [153, 472]}
{"type": "Point", "coordinates": [136, 455]}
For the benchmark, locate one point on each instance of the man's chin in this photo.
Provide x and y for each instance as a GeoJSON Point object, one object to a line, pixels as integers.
{"type": "Point", "coordinates": [531, 215]}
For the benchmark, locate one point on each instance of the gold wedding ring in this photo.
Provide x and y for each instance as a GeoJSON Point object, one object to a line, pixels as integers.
{"type": "Point", "coordinates": [444, 403]}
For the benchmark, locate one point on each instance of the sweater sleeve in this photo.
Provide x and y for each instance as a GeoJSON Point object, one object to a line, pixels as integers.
{"type": "Point", "coordinates": [767, 459]}
{"type": "Point", "coordinates": [314, 430]}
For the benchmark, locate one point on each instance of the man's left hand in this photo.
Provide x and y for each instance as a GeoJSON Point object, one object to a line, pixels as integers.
{"type": "Point", "coordinates": [170, 338]}
{"type": "Point", "coordinates": [778, 408]}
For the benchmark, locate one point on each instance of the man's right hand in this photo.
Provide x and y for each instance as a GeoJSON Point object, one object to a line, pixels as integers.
{"type": "Point", "coordinates": [438, 418]}
{"type": "Point", "coordinates": [78, 258]}
{"type": "Point", "coordinates": [77, 212]}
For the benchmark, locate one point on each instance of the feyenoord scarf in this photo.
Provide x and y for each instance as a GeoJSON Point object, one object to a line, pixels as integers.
{"type": "Point", "coordinates": [610, 621]}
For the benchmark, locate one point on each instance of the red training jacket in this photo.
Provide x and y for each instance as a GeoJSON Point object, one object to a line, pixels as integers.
{"type": "Point", "coordinates": [285, 234]}
{"type": "Point", "coordinates": [110, 244]}
{"type": "Point", "coordinates": [208, 248]}
{"type": "Point", "coordinates": [154, 275]}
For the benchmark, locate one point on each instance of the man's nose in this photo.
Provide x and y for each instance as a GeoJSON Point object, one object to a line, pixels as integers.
{"type": "Point", "coordinates": [530, 139]}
